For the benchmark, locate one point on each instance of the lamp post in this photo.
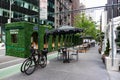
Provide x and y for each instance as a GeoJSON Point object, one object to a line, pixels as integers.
{"type": "Point", "coordinates": [11, 2]}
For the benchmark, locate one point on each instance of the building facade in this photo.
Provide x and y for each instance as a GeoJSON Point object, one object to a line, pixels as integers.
{"type": "Point", "coordinates": [116, 9]}
{"type": "Point", "coordinates": [59, 12]}
{"type": "Point", "coordinates": [62, 14]}
{"type": "Point", "coordinates": [75, 6]}
{"type": "Point", "coordinates": [23, 10]}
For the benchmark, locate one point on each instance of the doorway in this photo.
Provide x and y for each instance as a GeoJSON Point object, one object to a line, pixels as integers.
{"type": "Point", "coordinates": [34, 37]}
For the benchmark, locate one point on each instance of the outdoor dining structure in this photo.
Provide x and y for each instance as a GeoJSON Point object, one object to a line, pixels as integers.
{"type": "Point", "coordinates": [64, 36]}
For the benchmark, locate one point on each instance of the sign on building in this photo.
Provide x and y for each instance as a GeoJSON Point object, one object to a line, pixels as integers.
{"type": "Point", "coordinates": [14, 31]}
{"type": "Point", "coordinates": [43, 9]}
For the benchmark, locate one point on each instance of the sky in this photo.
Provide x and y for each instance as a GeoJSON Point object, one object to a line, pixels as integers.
{"type": "Point", "coordinates": [94, 3]}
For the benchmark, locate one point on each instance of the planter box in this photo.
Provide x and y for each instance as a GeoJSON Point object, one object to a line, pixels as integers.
{"type": "Point", "coordinates": [109, 66]}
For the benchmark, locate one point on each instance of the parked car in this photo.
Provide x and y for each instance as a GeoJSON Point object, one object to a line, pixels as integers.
{"type": "Point", "coordinates": [2, 45]}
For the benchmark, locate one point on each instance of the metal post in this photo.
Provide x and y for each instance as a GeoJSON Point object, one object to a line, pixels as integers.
{"type": "Point", "coordinates": [101, 31]}
{"type": "Point", "coordinates": [11, 2]}
{"type": "Point", "coordinates": [112, 36]}
{"type": "Point", "coordinates": [38, 24]}
{"type": "Point", "coordinates": [10, 11]}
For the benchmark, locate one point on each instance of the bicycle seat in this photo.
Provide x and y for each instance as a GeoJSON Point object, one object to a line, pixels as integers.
{"type": "Point", "coordinates": [44, 51]}
{"type": "Point", "coordinates": [32, 50]}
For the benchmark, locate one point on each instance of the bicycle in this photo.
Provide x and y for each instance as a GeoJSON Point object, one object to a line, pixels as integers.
{"type": "Point", "coordinates": [35, 59]}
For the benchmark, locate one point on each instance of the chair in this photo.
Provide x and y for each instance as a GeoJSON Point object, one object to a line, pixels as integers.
{"type": "Point", "coordinates": [60, 54]}
{"type": "Point", "coordinates": [65, 55]}
{"type": "Point", "coordinates": [75, 53]}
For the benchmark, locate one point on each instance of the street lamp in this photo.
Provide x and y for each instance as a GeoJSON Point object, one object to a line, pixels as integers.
{"type": "Point", "coordinates": [11, 2]}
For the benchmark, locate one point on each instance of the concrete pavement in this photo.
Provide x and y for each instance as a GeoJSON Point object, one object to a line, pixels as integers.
{"type": "Point", "coordinates": [88, 67]}
{"type": "Point", "coordinates": [114, 75]}
{"type": "Point", "coordinates": [2, 52]}
{"type": "Point", "coordinates": [7, 61]}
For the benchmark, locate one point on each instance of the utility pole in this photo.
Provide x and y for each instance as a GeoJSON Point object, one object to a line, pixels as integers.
{"type": "Point", "coordinates": [10, 7]}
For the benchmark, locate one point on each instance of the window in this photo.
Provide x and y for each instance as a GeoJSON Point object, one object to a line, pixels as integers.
{"type": "Point", "coordinates": [21, 4]}
{"type": "Point", "coordinates": [15, 15]}
{"type": "Point", "coordinates": [26, 18]}
{"type": "Point", "coordinates": [5, 14]}
{"type": "Point", "coordinates": [26, 5]}
{"type": "Point", "coordinates": [35, 8]}
{"type": "Point", "coordinates": [14, 38]}
{"type": "Point", "coordinates": [20, 15]}
{"type": "Point", "coordinates": [30, 6]}
{"type": "Point", "coordinates": [1, 12]}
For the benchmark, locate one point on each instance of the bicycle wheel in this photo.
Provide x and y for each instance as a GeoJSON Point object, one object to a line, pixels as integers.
{"type": "Point", "coordinates": [22, 66]}
{"type": "Point", "coordinates": [29, 67]}
{"type": "Point", "coordinates": [43, 61]}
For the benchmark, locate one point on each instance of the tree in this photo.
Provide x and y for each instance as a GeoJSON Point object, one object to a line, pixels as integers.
{"type": "Point", "coordinates": [81, 21]}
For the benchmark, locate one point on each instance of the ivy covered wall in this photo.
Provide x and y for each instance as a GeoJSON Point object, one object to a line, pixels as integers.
{"type": "Point", "coordinates": [18, 38]}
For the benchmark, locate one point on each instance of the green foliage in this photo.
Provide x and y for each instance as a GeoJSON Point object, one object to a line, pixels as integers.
{"type": "Point", "coordinates": [77, 40]}
{"type": "Point", "coordinates": [25, 30]}
{"type": "Point", "coordinates": [99, 36]}
{"type": "Point", "coordinates": [118, 28]}
{"type": "Point", "coordinates": [81, 21]}
{"type": "Point", "coordinates": [118, 36]}
{"type": "Point", "coordinates": [107, 48]}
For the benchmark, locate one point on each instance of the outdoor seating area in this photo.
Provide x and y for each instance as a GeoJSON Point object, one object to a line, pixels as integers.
{"type": "Point", "coordinates": [67, 50]}
{"type": "Point", "coordinates": [65, 36]}
{"type": "Point", "coordinates": [67, 54]}
{"type": "Point", "coordinates": [83, 48]}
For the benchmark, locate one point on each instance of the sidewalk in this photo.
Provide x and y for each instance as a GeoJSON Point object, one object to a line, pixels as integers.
{"type": "Point", "coordinates": [114, 75]}
{"type": "Point", "coordinates": [89, 67]}
{"type": "Point", "coordinates": [7, 61]}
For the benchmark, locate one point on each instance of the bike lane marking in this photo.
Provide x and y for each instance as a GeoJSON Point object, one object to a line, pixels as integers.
{"type": "Point", "coordinates": [10, 61]}
{"type": "Point", "coordinates": [9, 71]}
{"type": "Point", "coordinates": [12, 70]}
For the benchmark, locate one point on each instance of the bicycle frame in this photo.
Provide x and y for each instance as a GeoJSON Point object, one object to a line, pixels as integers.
{"type": "Point", "coordinates": [36, 58]}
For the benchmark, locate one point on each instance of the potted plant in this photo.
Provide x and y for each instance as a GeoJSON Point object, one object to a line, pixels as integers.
{"type": "Point", "coordinates": [106, 52]}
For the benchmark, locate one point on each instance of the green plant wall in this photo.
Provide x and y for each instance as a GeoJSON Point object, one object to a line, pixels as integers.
{"type": "Point", "coordinates": [15, 49]}
{"type": "Point", "coordinates": [24, 31]}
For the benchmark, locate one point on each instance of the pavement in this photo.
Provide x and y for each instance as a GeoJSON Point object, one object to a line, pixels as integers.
{"type": "Point", "coordinates": [88, 67]}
